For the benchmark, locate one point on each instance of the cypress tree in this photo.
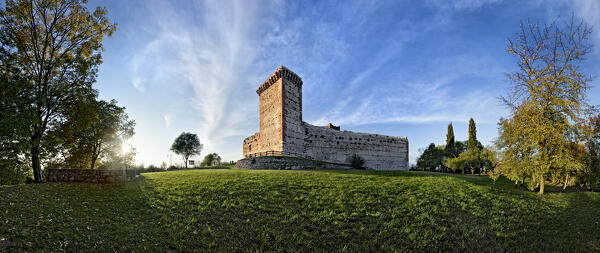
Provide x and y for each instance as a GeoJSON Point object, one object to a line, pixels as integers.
{"type": "Point", "coordinates": [472, 142]}
{"type": "Point", "coordinates": [450, 135]}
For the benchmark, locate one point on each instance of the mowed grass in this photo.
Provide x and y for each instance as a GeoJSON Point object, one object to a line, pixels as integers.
{"type": "Point", "coordinates": [243, 210]}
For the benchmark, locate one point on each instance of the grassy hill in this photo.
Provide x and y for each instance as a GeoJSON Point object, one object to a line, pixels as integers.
{"type": "Point", "coordinates": [244, 210]}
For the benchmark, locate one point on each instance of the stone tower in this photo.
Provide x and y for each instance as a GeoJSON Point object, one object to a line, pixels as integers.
{"type": "Point", "coordinates": [280, 101]}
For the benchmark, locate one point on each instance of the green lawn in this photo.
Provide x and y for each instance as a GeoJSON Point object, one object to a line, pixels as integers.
{"type": "Point", "coordinates": [242, 210]}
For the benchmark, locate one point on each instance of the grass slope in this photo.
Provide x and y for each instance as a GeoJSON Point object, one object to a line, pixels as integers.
{"type": "Point", "coordinates": [244, 210]}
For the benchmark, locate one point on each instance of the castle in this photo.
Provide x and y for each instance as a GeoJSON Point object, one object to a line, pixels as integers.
{"type": "Point", "coordinates": [283, 131]}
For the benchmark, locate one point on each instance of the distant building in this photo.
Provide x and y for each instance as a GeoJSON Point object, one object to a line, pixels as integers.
{"type": "Point", "coordinates": [282, 130]}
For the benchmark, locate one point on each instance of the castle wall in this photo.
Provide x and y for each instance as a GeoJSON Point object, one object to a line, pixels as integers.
{"type": "Point", "coordinates": [293, 130]}
{"type": "Point", "coordinates": [251, 144]}
{"type": "Point", "coordinates": [380, 152]}
{"type": "Point", "coordinates": [271, 128]}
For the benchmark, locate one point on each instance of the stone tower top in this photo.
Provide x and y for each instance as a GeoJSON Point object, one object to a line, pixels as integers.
{"type": "Point", "coordinates": [281, 72]}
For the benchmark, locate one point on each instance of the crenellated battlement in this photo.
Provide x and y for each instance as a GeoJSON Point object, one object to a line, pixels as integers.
{"type": "Point", "coordinates": [281, 72]}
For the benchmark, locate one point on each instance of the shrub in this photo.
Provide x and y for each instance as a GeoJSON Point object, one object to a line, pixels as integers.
{"type": "Point", "coordinates": [13, 173]}
{"type": "Point", "coordinates": [153, 168]}
{"type": "Point", "coordinates": [356, 162]}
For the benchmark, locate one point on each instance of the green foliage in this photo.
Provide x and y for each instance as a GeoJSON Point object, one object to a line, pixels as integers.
{"type": "Point", "coordinates": [590, 178]}
{"type": "Point", "coordinates": [475, 159]}
{"type": "Point", "coordinates": [50, 51]}
{"type": "Point", "coordinates": [450, 135]}
{"type": "Point", "coordinates": [466, 160]}
{"type": "Point", "coordinates": [546, 102]}
{"type": "Point", "coordinates": [92, 135]}
{"type": "Point", "coordinates": [243, 210]}
{"type": "Point", "coordinates": [186, 145]}
{"type": "Point", "coordinates": [117, 160]}
{"type": "Point", "coordinates": [431, 159]}
{"type": "Point", "coordinates": [356, 162]}
{"type": "Point", "coordinates": [453, 148]}
{"type": "Point", "coordinates": [14, 172]}
{"type": "Point", "coordinates": [211, 159]}
{"type": "Point", "coordinates": [472, 144]}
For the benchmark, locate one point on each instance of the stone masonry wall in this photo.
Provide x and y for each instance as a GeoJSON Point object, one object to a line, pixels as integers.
{"type": "Point", "coordinates": [293, 130]}
{"type": "Point", "coordinates": [251, 144]}
{"type": "Point", "coordinates": [271, 129]}
{"type": "Point", "coordinates": [284, 163]}
{"type": "Point", "coordinates": [88, 175]}
{"type": "Point", "coordinates": [380, 152]}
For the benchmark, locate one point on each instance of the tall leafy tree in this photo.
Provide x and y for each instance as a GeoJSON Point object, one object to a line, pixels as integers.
{"type": "Point", "coordinates": [187, 145]}
{"type": "Point", "coordinates": [450, 135]}
{"type": "Point", "coordinates": [548, 95]}
{"type": "Point", "coordinates": [56, 46]}
{"type": "Point", "coordinates": [472, 144]}
{"type": "Point", "coordinates": [452, 148]}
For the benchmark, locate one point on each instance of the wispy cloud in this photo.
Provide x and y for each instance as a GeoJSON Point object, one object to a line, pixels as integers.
{"type": "Point", "coordinates": [589, 10]}
{"type": "Point", "coordinates": [137, 83]}
{"type": "Point", "coordinates": [462, 5]}
{"type": "Point", "coordinates": [208, 53]}
{"type": "Point", "coordinates": [374, 95]}
{"type": "Point", "coordinates": [168, 120]}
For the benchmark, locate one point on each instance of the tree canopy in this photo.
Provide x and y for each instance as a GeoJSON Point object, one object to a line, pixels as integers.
{"type": "Point", "coordinates": [211, 159]}
{"type": "Point", "coordinates": [432, 158]}
{"type": "Point", "coordinates": [50, 51]}
{"type": "Point", "coordinates": [546, 100]}
{"type": "Point", "coordinates": [187, 145]}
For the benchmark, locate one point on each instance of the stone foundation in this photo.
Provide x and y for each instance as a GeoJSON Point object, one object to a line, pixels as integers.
{"type": "Point", "coordinates": [89, 175]}
{"type": "Point", "coordinates": [285, 163]}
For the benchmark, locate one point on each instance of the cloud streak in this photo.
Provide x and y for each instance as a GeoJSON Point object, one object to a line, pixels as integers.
{"type": "Point", "coordinates": [209, 59]}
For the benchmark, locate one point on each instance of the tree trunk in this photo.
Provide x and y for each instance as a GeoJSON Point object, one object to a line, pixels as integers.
{"type": "Point", "coordinates": [541, 185]}
{"type": "Point", "coordinates": [93, 162]}
{"type": "Point", "coordinates": [35, 161]}
{"type": "Point", "coordinates": [566, 181]}
{"type": "Point", "coordinates": [95, 154]}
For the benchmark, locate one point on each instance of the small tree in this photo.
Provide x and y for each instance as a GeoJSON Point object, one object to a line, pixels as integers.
{"type": "Point", "coordinates": [211, 159]}
{"type": "Point", "coordinates": [356, 162]}
{"type": "Point", "coordinates": [452, 149]}
{"type": "Point", "coordinates": [431, 158]}
{"type": "Point", "coordinates": [186, 145]}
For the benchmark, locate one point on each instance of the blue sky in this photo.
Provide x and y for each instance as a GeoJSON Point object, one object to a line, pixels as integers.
{"type": "Point", "coordinates": [400, 68]}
